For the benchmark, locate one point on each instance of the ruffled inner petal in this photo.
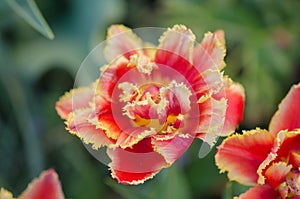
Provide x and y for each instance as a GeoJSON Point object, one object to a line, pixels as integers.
{"type": "Point", "coordinates": [288, 114]}
{"type": "Point", "coordinates": [241, 155]}
{"type": "Point", "coordinates": [130, 137]}
{"type": "Point", "coordinates": [290, 148]}
{"type": "Point", "coordinates": [277, 173]}
{"type": "Point", "coordinates": [47, 186]}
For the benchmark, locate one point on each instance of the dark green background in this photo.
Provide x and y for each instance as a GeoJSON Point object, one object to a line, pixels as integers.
{"type": "Point", "coordinates": [263, 53]}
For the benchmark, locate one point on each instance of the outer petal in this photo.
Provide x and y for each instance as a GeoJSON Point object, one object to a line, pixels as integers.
{"type": "Point", "coordinates": [241, 155]}
{"type": "Point", "coordinates": [288, 114]}
{"type": "Point", "coordinates": [75, 99]}
{"type": "Point", "coordinates": [121, 41]}
{"type": "Point", "coordinates": [277, 173]}
{"type": "Point", "coordinates": [47, 186]}
{"type": "Point", "coordinates": [172, 149]}
{"type": "Point", "coordinates": [179, 40]}
{"type": "Point", "coordinates": [259, 192]}
{"type": "Point", "coordinates": [135, 165]}
{"type": "Point", "coordinates": [79, 125]}
{"type": "Point", "coordinates": [212, 114]}
{"type": "Point", "coordinates": [175, 50]}
{"type": "Point", "coordinates": [235, 96]}
{"type": "Point", "coordinates": [209, 54]}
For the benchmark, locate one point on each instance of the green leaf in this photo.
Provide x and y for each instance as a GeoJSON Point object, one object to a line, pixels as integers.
{"type": "Point", "coordinates": [127, 191]}
{"type": "Point", "coordinates": [173, 184]}
{"type": "Point", "coordinates": [28, 10]}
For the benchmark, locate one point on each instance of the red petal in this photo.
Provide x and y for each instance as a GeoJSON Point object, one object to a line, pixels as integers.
{"type": "Point", "coordinates": [241, 155]}
{"type": "Point", "coordinates": [135, 165]}
{"type": "Point", "coordinates": [208, 83]}
{"type": "Point", "coordinates": [121, 41]}
{"type": "Point", "coordinates": [277, 173]}
{"type": "Point", "coordinates": [212, 114]}
{"type": "Point", "coordinates": [132, 178]}
{"type": "Point", "coordinates": [172, 149]}
{"type": "Point", "coordinates": [290, 148]}
{"type": "Point", "coordinates": [110, 76]}
{"type": "Point", "coordinates": [295, 159]}
{"type": "Point", "coordinates": [107, 122]}
{"type": "Point", "coordinates": [47, 186]}
{"type": "Point", "coordinates": [259, 192]}
{"type": "Point", "coordinates": [235, 96]}
{"type": "Point", "coordinates": [288, 114]}
{"type": "Point", "coordinates": [130, 137]}
{"type": "Point", "coordinates": [209, 54]}
{"type": "Point", "coordinates": [75, 99]}
{"type": "Point", "coordinates": [175, 51]}
{"type": "Point", "coordinates": [79, 125]}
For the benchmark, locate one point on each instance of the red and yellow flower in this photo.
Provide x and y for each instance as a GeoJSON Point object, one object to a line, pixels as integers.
{"type": "Point", "coordinates": [151, 102]}
{"type": "Point", "coordinates": [47, 186]}
{"type": "Point", "coordinates": [267, 160]}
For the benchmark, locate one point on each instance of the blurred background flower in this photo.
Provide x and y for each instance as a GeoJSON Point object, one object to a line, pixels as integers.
{"type": "Point", "coordinates": [263, 54]}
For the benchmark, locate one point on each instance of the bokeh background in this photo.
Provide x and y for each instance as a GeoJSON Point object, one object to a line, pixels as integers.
{"type": "Point", "coordinates": [263, 53]}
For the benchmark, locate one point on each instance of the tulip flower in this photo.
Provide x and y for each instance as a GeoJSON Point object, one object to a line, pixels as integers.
{"type": "Point", "coordinates": [150, 103]}
{"type": "Point", "coordinates": [267, 160]}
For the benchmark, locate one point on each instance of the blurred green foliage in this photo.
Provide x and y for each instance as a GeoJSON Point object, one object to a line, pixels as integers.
{"type": "Point", "coordinates": [263, 54]}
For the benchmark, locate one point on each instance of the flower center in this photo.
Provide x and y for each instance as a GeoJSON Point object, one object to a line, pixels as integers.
{"type": "Point", "coordinates": [162, 107]}
{"type": "Point", "coordinates": [293, 182]}
{"type": "Point", "coordinates": [291, 187]}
